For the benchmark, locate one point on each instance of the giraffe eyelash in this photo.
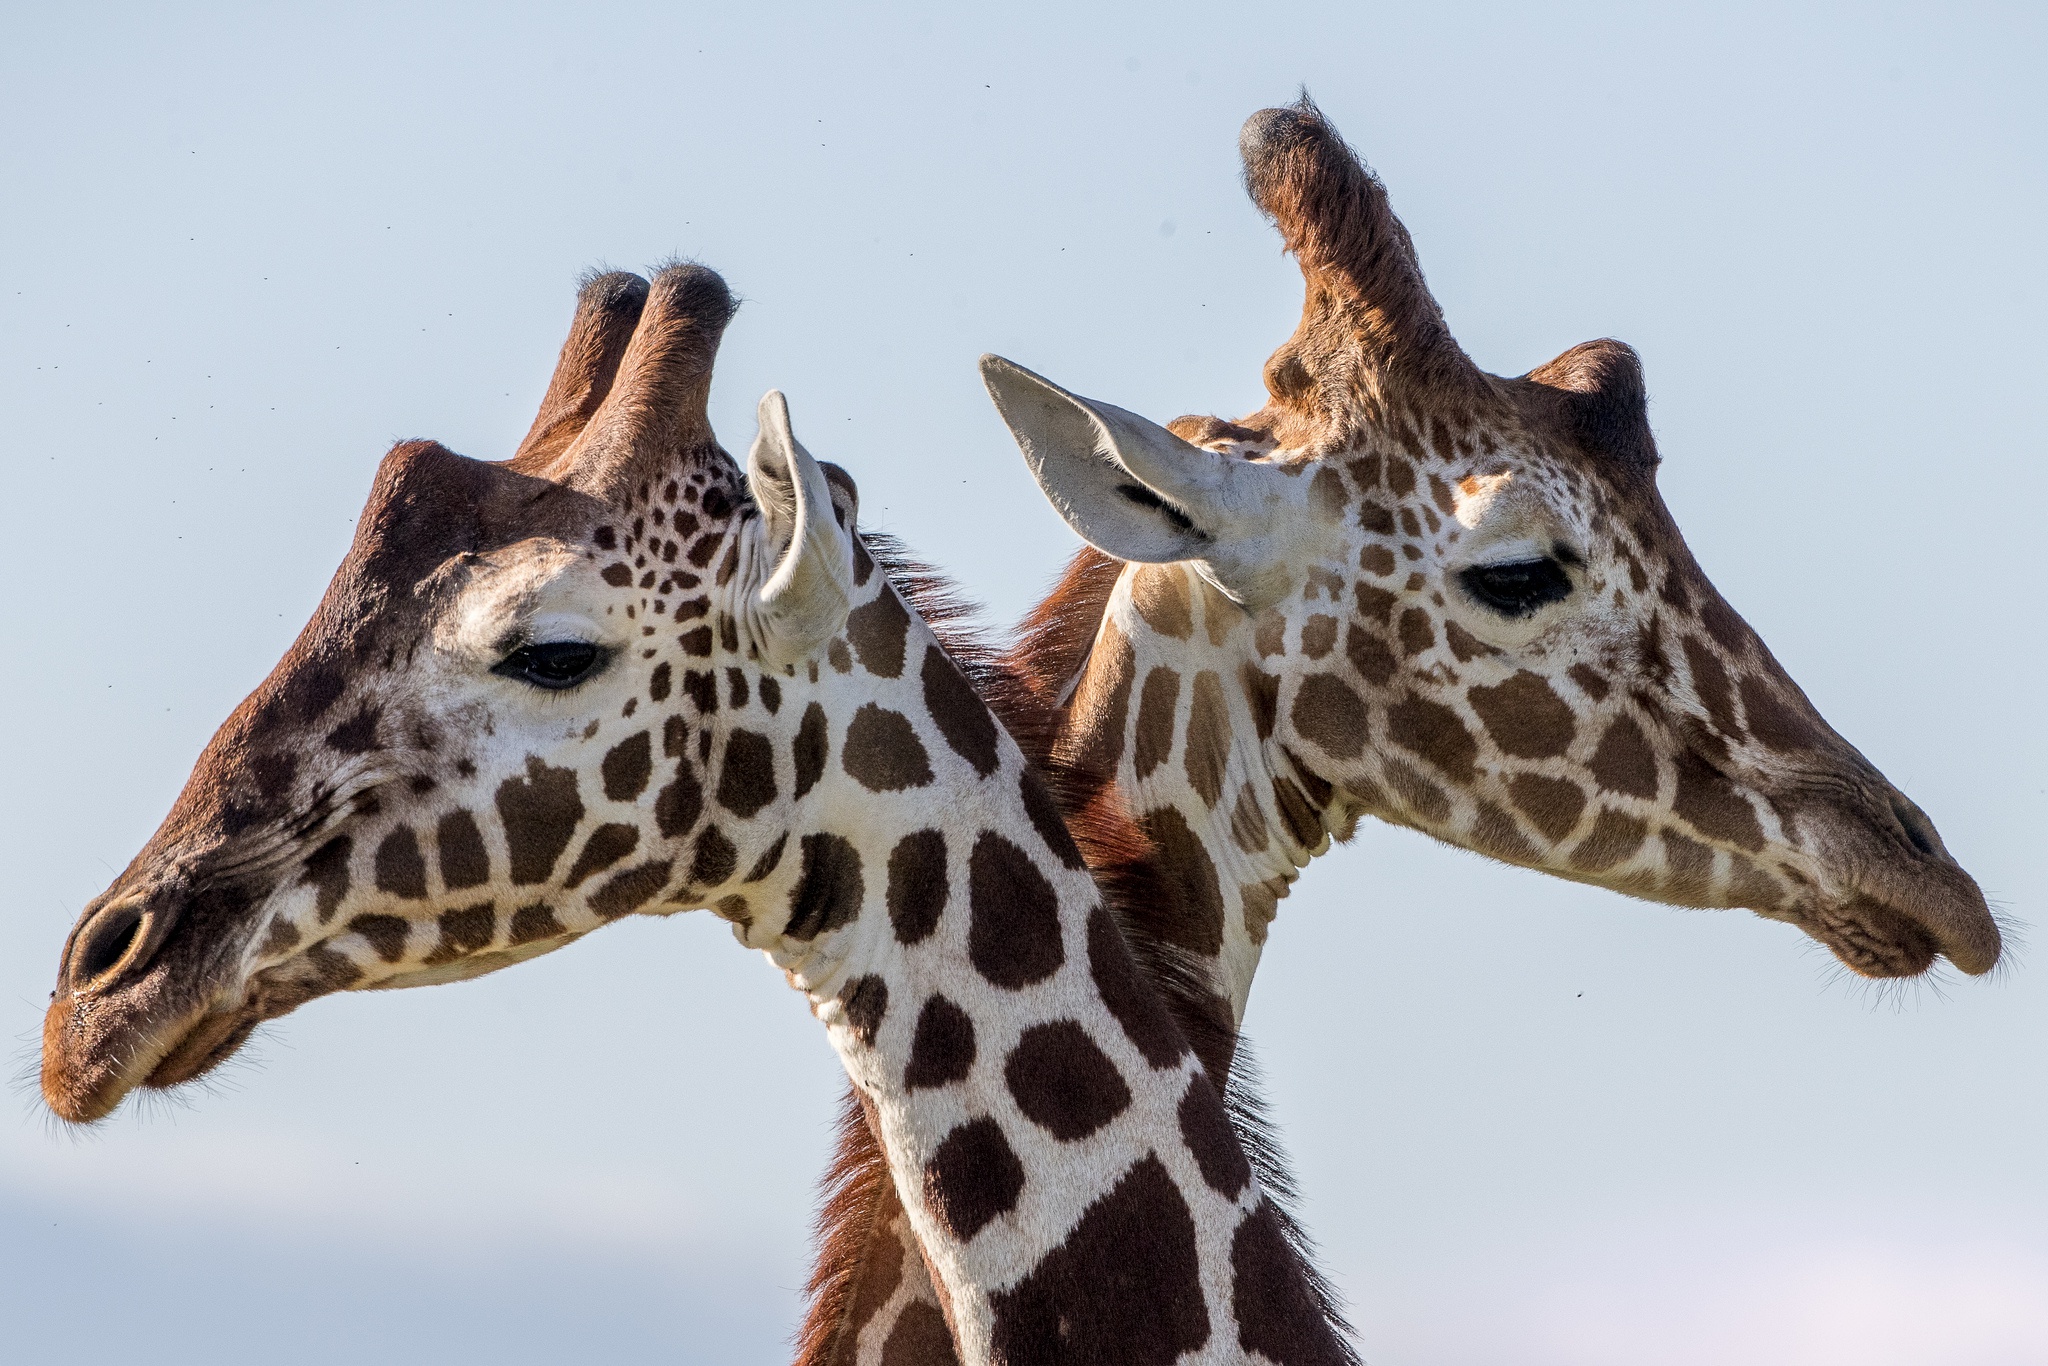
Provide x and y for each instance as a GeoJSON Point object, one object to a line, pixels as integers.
{"type": "Point", "coordinates": [554, 665]}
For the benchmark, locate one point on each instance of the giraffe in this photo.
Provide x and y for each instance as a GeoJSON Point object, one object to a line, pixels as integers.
{"type": "Point", "coordinates": [1407, 589]}
{"type": "Point", "coordinates": [617, 674]}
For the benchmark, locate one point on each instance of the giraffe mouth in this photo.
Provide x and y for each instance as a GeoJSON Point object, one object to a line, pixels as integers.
{"type": "Point", "coordinates": [1900, 914]}
{"type": "Point", "coordinates": [1872, 939]}
{"type": "Point", "coordinates": [205, 1045]}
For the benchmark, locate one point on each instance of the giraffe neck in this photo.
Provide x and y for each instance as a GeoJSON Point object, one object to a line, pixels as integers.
{"type": "Point", "coordinates": [1172, 697]}
{"type": "Point", "coordinates": [1032, 1096]}
{"type": "Point", "coordinates": [1220, 874]}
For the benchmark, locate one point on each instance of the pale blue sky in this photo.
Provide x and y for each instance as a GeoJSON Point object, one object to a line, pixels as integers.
{"type": "Point", "coordinates": [246, 248]}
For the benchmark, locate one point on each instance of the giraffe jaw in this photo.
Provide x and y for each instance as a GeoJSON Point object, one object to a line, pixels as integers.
{"type": "Point", "coordinates": [205, 1044]}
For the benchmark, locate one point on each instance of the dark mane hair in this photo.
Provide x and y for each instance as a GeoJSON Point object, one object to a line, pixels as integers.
{"type": "Point", "coordinates": [1022, 686]}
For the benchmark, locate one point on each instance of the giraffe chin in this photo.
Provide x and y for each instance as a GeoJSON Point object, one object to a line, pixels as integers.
{"type": "Point", "coordinates": [1871, 939]}
{"type": "Point", "coordinates": [93, 1057]}
{"type": "Point", "coordinates": [211, 1041]}
{"type": "Point", "coordinates": [1900, 927]}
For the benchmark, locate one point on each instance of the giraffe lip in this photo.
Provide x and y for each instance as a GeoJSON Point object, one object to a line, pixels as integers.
{"type": "Point", "coordinates": [204, 1045]}
{"type": "Point", "coordinates": [1870, 938]}
{"type": "Point", "coordinates": [1901, 920]}
{"type": "Point", "coordinates": [98, 1048]}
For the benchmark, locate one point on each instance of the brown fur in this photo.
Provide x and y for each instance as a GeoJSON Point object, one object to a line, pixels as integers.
{"type": "Point", "coordinates": [1369, 328]}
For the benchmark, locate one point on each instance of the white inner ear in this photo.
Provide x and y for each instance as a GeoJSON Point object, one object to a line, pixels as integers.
{"type": "Point", "coordinates": [804, 601]}
{"type": "Point", "coordinates": [1136, 491]}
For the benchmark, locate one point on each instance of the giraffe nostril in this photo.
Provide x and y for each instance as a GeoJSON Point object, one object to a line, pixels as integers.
{"type": "Point", "coordinates": [108, 941]}
{"type": "Point", "coordinates": [1919, 830]}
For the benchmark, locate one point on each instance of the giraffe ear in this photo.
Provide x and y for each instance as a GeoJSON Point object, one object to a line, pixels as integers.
{"type": "Point", "coordinates": [804, 602]}
{"type": "Point", "coordinates": [1134, 490]}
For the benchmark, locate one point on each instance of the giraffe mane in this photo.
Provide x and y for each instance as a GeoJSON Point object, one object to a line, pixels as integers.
{"type": "Point", "coordinates": [1022, 686]}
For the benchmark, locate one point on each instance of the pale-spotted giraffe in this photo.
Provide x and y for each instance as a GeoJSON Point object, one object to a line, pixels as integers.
{"type": "Point", "coordinates": [616, 675]}
{"type": "Point", "coordinates": [1408, 589]}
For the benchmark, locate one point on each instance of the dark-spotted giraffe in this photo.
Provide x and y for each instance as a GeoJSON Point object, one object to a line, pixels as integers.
{"type": "Point", "coordinates": [1408, 589]}
{"type": "Point", "coordinates": [616, 674]}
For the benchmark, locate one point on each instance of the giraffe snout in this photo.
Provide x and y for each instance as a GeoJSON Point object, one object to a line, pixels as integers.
{"type": "Point", "coordinates": [1908, 901]}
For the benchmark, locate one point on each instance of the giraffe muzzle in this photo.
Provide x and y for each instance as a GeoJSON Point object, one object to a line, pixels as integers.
{"type": "Point", "coordinates": [1905, 901]}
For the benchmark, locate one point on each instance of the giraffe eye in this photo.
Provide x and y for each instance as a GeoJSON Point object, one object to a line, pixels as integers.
{"type": "Point", "coordinates": [554, 664]}
{"type": "Point", "coordinates": [1516, 590]}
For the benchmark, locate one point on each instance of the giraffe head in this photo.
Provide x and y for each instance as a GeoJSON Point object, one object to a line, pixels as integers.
{"type": "Point", "coordinates": [1457, 602]}
{"type": "Point", "coordinates": [502, 726]}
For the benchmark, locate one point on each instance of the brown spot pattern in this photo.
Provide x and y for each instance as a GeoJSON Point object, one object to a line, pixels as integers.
{"type": "Point", "coordinates": [1136, 1006]}
{"type": "Point", "coordinates": [941, 1047]}
{"type": "Point", "coordinates": [877, 631]}
{"type": "Point", "coordinates": [1262, 693]}
{"type": "Point", "coordinates": [607, 844]}
{"type": "Point", "coordinates": [467, 930]}
{"type": "Point", "coordinates": [1710, 681]}
{"type": "Point", "coordinates": [1614, 839]}
{"type": "Point", "coordinates": [630, 890]}
{"type": "Point", "coordinates": [677, 806]}
{"type": "Point", "coordinates": [1062, 1082]}
{"type": "Point", "coordinates": [530, 923]}
{"type": "Point", "coordinates": [1208, 744]}
{"type": "Point", "coordinates": [917, 885]}
{"type": "Point", "coordinates": [385, 933]}
{"type": "Point", "coordinates": [327, 872]}
{"type": "Point", "coordinates": [399, 868]}
{"type": "Point", "coordinates": [747, 782]}
{"type": "Point", "coordinates": [715, 859]}
{"type": "Point", "coordinates": [882, 751]}
{"type": "Point", "coordinates": [972, 1179]}
{"type": "Point", "coordinates": [1552, 805]}
{"type": "Point", "coordinates": [1774, 722]}
{"type": "Point", "coordinates": [1330, 714]}
{"type": "Point", "coordinates": [919, 1337]}
{"type": "Point", "coordinates": [1712, 805]}
{"type": "Point", "coordinates": [1207, 1132]}
{"type": "Point", "coordinates": [1276, 1315]}
{"type": "Point", "coordinates": [1102, 702]}
{"type": "Point", "coordinates": [1198, 925]}
{"type": "Point", "coordinates": [1525, 717]}
{"type": "Point", "coordinates": [464, 862]}
{"type": "Point", "coordinates": [1318, 636]}
{"type": "Point", "coordinates": [958, 713]}
{"type": "Point", "coordinates": [627, 766]}
{"type": "Point", "coordinates": [828, 889]}
{"type": "Point", "coordinates": [1369, 655]}
{"type": "Point", "coordinates": [540, 813]}
{"type": "Point", "coordinates": [1157, 701]}
{"type": "Point", "coordinates": [1417, 632]}
{"type": "Point", "coordinates": [1046, 820]}
{"type": "Point", "coordinates": [1091, 1301]}
{"type": "Point", "coordinates": [808, 752]}
{"type": "Point", "coordinates": [1013, 933]}
{"type": "Point", "coordinates": [1624, 761]}
{"type": "Point", "coordinates": [1160, 593]}
{"type": "Point", "coordinates": [1434, 732]}
{"type": "Point", "coordinates": [866, 1002]}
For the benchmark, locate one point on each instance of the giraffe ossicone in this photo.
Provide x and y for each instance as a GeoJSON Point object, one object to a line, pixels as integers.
{"type": "Point", "coordinates": [616, 675]}
{"type": "Point", "coordinates": [1408, 589]}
